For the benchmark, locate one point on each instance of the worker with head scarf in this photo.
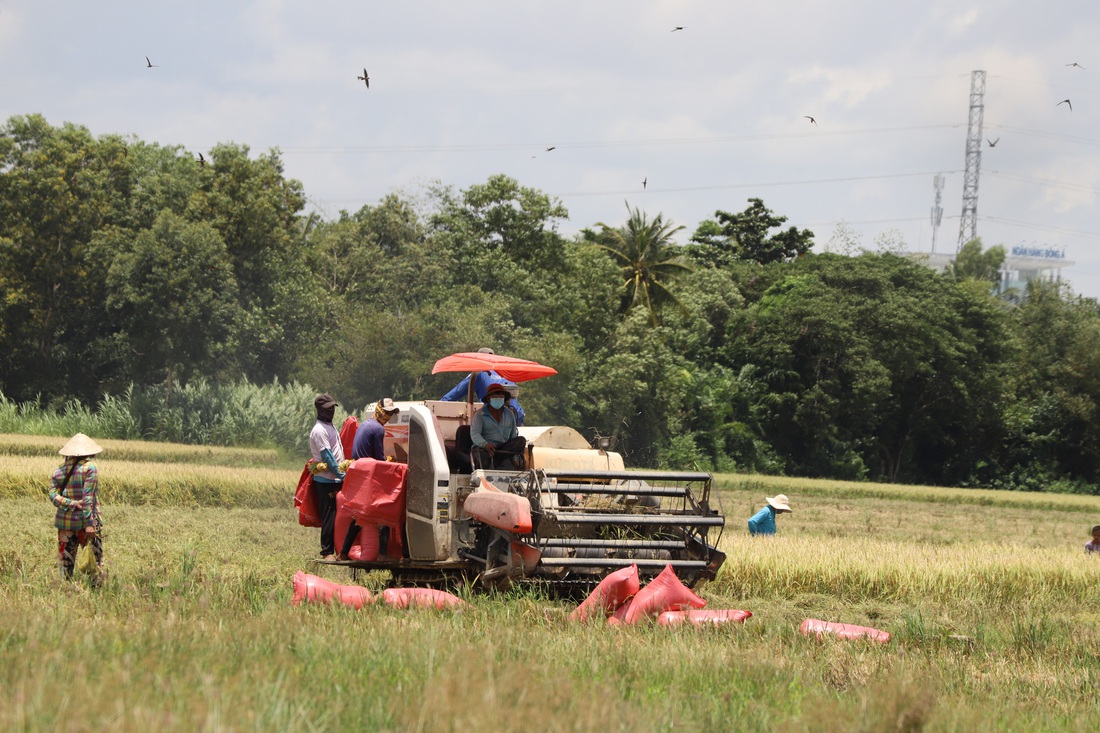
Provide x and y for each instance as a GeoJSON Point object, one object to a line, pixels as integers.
{"type": "Point", "coordinates": [74, 490]}
{"type": "Point", "coordinates": [370, 443]}
{"type": "Point", "coordinates": [371, 434]}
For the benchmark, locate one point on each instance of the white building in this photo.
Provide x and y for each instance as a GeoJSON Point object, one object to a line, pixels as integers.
{"type": "Point", "coordinates": [1023, 263]}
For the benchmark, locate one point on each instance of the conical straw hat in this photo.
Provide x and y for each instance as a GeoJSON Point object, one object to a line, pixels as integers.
{"type": "Point", "coordinates": [80, 445]}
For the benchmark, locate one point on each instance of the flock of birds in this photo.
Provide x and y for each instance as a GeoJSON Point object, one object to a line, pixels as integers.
{"type": "Point", "coordinates": [365, 78]}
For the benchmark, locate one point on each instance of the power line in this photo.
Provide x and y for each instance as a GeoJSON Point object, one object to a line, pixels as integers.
{"type": "Point", "coordinates": [767, 184]}
{"type": "Point", "coordinates": [899, 220]}
{"type": "Point", "coordinates": [1034, 82]}
{"type": "Point", "coordinates": [1027, 225]}
{"type": "Point", "coordinates": [588, 144]}
{"type": "Point", "coordinates": [1048, 135]}
{"type": "Point", "coordinates": [1046, 182]}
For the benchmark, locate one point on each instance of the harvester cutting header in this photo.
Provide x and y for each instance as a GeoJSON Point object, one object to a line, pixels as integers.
{"type": "Point", "coordinates": [547, 507]}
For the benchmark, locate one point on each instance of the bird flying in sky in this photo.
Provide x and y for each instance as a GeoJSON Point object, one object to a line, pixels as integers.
{"type": "Point", "coordinates": [202, 161]}
{"type": "Point", "coordinates": [993, 143]}
{"type": "Point", "coordinates": [1066, 101]}
{"type": "Point", "coordinates": [1076, 64]}
{"type": "Point", "coordinates": [149, 64]}
{"type": "Point", "coordinates": [644, 182]}
{"type": "Point", "coordinates": [552, 147]}
{"type": "Point", "coordinates": [677, 28]}
{"type": "Point", "coordinates": [811, 119]}
{"type": "Point", "coordinates": [365, 78]}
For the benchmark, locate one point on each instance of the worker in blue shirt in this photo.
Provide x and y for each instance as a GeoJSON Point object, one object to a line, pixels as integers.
{"type": "Point", "coordinates": [482, 380]}
{"type": "Point", "coordinates": [495, 433]}
{"type": "Point", "coordinates": [763, 522]}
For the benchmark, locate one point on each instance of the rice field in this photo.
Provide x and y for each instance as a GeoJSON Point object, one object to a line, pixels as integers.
{"type": "Point", "coordinates": [993, 607]}
{"type": "Point", "coordinates": [144, 451]}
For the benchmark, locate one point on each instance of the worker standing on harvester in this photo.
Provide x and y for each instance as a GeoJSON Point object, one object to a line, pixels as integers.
{"type": "Point", "coordinates": [763, 522]}
{"type": "Point", "coordinates": [370, 443]}
{"type": "Point", "coordinates": [324, 445]}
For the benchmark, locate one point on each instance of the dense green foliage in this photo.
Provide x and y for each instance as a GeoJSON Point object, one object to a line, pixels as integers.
{"type": "Point", "coordinates": [144, 293]}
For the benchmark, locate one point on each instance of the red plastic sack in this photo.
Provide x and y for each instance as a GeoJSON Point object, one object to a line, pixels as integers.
{"type": "Point", "coordinates": [609, 595]}
{"type": "Point", "coordinates": [347, 434]}
{"type": "Point", "coordinates": [663, 593]}
{"type": "Point", "coordinates": [698, 617]}
{"type": "Point", "coordinates": [819, 628]}
{"type": "Point", "coordinates": [315, 589]}
{"type": "Point", "coordinates": [375, 491]}
{"type": "Point", "coordinates": [355, 596]}
{"type": "Point", "coordinates": [366, 543]}
{"type": "Point", "coordinates": [303, 499]}
{"type": "Point", "coordinates": [366, 547]}
{"type": "Point", "coordinates": [420, 598]}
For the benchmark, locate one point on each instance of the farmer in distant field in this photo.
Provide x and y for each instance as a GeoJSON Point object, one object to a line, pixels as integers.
{"type": "Point", "coordinates": [1094, 545]}
{"type": "Point", "coordinates": [495, 433]}
{"type": "Point", "coordinates": [324, 445]}
{"type": "Point", "coordinates": [74, 490]}
{"type": "Point", "coordinates": [763, 522]}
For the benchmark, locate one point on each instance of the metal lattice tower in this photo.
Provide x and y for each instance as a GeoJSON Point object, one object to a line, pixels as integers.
{"type": "Point", "coordinates": [968, 222]}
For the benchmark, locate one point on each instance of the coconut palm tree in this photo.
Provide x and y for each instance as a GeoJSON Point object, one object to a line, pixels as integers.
{"type": "Point", "coordinates": [644, 250]}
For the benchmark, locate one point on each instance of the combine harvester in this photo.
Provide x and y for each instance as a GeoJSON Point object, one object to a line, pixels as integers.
{"type": "Point", "coordinates": [571, 517]}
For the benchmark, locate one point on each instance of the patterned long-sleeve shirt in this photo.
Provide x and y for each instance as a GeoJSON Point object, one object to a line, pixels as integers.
{"type": "Point", "coordinates": [83, 486]}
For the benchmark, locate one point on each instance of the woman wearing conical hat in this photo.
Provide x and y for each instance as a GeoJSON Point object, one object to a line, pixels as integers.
{"type": "Point", "coordinates": [74, 490]}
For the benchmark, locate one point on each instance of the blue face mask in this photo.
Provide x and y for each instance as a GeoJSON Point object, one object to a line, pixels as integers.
{"type": "Point", "coordinates": [496, 402]}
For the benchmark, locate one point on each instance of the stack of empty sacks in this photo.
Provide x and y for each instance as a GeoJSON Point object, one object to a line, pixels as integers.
{"type": "Point", "coordinates": [620, 599]}
{"type": "Point", "coordinates": [315, 589]}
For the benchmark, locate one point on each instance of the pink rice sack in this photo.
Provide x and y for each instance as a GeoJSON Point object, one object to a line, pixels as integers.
{"type": "Point", "coordinates": [609, 595]}
{"type": "Point", "coordinates": [703, 617]}
{"type": "Point", "coordinates": [315, 589]}
{"type": "Point", "coordinates": [664, 593]}
{"type": "Point", "coordinates": [420, 598]}
{"type": "Point", "coordinates": [818, 628]}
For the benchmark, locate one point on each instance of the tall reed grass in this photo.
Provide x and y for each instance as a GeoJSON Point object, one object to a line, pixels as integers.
{"type": "Point", "coordinates": [200, 413]}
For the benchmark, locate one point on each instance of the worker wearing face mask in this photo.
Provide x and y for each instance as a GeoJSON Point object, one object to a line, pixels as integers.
{"type": "Point", "coordinates": [495, 433]}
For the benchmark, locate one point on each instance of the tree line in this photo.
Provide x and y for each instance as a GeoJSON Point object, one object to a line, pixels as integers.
{"type": "Point", "coordinates": [128, 263]}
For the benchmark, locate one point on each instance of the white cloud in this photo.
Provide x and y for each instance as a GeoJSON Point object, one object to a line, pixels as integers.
{"type": "Point", "coordinates": [961, 22]}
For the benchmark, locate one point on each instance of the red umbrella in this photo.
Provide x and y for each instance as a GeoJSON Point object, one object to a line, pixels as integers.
{"type": "Point", "coordinates": [512, 369]}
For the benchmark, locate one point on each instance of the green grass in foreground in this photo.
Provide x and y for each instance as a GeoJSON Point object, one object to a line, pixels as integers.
{"type": "Point", "coordinates": [194, 630]}
{"type": "Point", "coordinates": [992, 604]}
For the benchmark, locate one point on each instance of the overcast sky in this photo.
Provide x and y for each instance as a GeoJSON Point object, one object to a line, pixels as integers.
{"type": "Point", "coordinates": [709, 115]}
